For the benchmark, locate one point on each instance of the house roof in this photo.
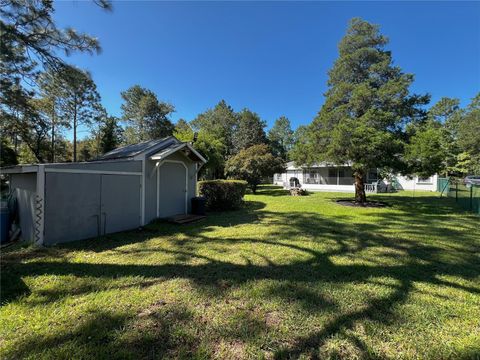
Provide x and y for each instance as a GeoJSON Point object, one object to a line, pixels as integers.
{"type": "Point", "coordinates": [130, 151]}
{"type": "Point", "coordinates": [187, 150]}
{"type": "Point", "coordinates": [19, 169]}
{"type": "Point", "coordinates": [292, 166]}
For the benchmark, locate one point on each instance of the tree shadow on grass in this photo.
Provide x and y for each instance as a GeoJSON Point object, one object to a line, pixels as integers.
{"type": "Point", "coordinates": [296, 233]}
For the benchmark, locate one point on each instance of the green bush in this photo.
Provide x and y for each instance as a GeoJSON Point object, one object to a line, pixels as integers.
{"type": "Point", "coordinates": [222, 194]}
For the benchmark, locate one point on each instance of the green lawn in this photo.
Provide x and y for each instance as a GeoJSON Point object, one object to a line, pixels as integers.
{"type": "Point", "coordinates": [284, 277]}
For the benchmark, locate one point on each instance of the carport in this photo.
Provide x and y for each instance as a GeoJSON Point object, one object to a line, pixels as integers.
{"type": "Point", "coordinates": [124, 189]}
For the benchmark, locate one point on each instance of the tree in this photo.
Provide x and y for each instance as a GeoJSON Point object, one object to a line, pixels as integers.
{"type": "Point", "coordinates": [208, 144]}
{"type": "Point", "coordinates": [281, 137]}
{"type": "Point", "coordinates": [79, 100]}
{"type": "Point", "coordinates": [220, 122]}
{"type": "Point", "coordinates": [146, 115]}
{"type": "Point", "coordinates": [87, 149]}
{"type": "Point", "coordinates": [468, 136]}
{"type": "Point", "coordinates": [216, 128]}
{"type": "Point", "coordinates": [183, 131]}
{"type": "Point", "coordinates": [37, 128]}
{"type": "Point", "coordinates": [444, 110]}
{"type": "Point", "coordinates": [7, 154]}
{"type": "Point", "coordinates": [213, 149]}
{"type": "Point", "coordinates": [425, 154]}
{"type": "Point", "coordinates": [367, 107]}
{"type": "Point", "coordinates": [30, 42]}
{"type": "Point", "coordinates": [50, 86]}
{"type": "Point", "coordinates": [253, 164]}
{"type": "Point", "coordinates": [448, 141]}
{"type": "Point", "coordinates": [447, 113]}
{"type": "Point", "coordinates": [111, 134]}
{"type": "Point", "coordinates": [302, 152]}
{"type": "Point", "coordinates": [250, 131]}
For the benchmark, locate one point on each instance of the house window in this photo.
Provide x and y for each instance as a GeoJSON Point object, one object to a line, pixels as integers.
{"type": "Point", "coordinates": [372, 175]}
{"type": "Point", "coordinates": [341, 173]}
{"type": "Point", "coordinates": [332, 173]}
{"type": "Point", "coordinates": [279, 177]}
{"type": "Point", "coordinates": [424, 180]}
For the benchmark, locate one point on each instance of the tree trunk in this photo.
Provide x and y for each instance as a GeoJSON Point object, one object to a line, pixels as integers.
{"type": "Point", "coordinates": [53, 135]}
{"type": "Point", "coordinates": [75, 137]}
{"type": "Point", "coordinates": [360, 196]}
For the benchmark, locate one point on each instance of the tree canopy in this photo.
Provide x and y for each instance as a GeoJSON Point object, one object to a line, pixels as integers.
{"type": "Point", "coordinates": [250, 131]}
{"type": "Point", "coordinates": [31, 44]}
{"type": "Point", "coordinates": [448, 142]}
{"type": "Point", "coordinates": [367, 106]}
{"type": "Point", "coordinates": [111, 134]}
{"type": "Point", "coordinates": [79, 100]}
{"type": "Point", "coordinates": [147, 117]}
{"type": "Point", "coordinates": [221, 122]}
{"type": "Point", "coordinates": [253, 164]}
{"type": "Point", "coordinates": [281, 137]}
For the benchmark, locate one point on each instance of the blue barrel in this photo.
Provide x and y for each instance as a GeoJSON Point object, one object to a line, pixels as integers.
{"type": "Point", "coordinates": [4, 222]}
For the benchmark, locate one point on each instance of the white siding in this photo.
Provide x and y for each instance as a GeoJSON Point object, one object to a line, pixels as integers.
{"type": "Point", "coordinates": [416, 184]}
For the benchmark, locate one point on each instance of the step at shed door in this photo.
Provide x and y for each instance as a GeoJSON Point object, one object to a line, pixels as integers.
{"type": "Point", "coordinates": [120, 203]}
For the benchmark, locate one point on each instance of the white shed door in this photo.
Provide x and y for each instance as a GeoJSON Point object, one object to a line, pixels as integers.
{"type": "Point", "coordinates": [172, 186]}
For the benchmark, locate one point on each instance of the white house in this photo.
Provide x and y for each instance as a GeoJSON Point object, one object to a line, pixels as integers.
{"type": "Point", "coordinates": [328, 177]}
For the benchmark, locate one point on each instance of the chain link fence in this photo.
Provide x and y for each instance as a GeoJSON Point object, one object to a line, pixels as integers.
{"type": "Point", "coordinates": [466, 195]}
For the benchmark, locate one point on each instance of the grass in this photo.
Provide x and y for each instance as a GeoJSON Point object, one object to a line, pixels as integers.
{"type": "Point", "coordinates": [284, 277]}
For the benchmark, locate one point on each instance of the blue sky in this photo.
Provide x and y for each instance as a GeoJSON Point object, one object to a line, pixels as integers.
{"type": "Point", "coordinates": [272, 57]}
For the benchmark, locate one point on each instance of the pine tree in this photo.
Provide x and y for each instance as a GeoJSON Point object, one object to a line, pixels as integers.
{"type": "Point", "coordinates": [148, 118]}
{"type": "Point", "coordinates": [79, 100]}
{"type": "Point", "coordinates": [220, 122]}
{"type": "Point", "coordinates": [50, 90]}
{"type": "Point", "coordinates": [469, 136]}
{"type": "Point", "coordinates": [367, 107]}
{"type": "Point", "coordinates": [111, 134]}
{"type": "Point", "coordinates": [281, 137]}
{"type": "Point", "coordinates": [250, 131]}
{"type": "Point", "coordinates": [31, 42]}
{"type": "Point", "coordinates": [183, 131]}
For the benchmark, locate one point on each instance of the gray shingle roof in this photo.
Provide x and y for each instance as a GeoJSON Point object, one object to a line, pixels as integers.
{"type": "Point", "coordinates": [130, 151]}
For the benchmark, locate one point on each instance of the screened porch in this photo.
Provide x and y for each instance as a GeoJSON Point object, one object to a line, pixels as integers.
{"type": "Point", "coordinates": [335, 176]}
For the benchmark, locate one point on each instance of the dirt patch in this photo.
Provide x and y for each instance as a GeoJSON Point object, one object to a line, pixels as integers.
{"type": "Point", "coordinates": [234, 350]}
{"type": "Point", "coordinates": [152, 309]}
{"type": "Point", "coordinates": [273, 319]}
{"type": "Point", "coordinates": [367, 204]}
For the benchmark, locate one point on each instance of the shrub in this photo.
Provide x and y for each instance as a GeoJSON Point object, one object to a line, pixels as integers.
{"type": "Point", "coordinates": [222, 194]}
{"type": "Point", "coordinates": [253, 164]}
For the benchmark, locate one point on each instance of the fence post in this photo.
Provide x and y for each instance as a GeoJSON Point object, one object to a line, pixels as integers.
{"type": "Point", "coordinates": [456, 191]}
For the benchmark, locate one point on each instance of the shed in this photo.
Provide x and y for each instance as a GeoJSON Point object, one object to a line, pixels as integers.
{"type": "Point", "coordinates": [123, 189]}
